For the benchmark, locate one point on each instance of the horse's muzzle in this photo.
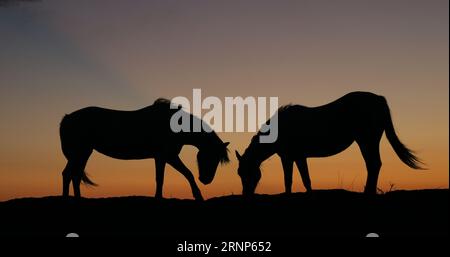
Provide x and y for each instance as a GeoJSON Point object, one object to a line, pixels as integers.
{"type": "Point", "coordinates": [205, 181]}
{"type": "Point", "coordinates": [248, 192]}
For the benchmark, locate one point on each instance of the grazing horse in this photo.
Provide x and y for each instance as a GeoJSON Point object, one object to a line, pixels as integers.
{"type": "Point", "coordinates": [139, 134]}
{"type": "Point", "coordinates": [305, 132]}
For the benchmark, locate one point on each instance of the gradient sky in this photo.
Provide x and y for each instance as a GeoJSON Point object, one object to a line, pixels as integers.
{"type": "Point", "coordinates": [59, 56]}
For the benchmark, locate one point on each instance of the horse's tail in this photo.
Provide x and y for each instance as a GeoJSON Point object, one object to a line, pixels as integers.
{"type": "Point", "coordinates": [67, 141]}
{"type": "Point", "coordinates": [406, 155]}
{"type": "Point", "coordinates": [86, 180]}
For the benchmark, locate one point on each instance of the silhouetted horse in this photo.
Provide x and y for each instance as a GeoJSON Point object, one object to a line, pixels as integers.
{"type": "Point", "coordinates": [324, 131]}
{"type": "Point", "coordinates": [139, 134]}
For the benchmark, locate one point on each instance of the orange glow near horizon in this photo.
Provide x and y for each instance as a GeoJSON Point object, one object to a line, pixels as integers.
{"type": "Point", "coordinates": [343, 171]}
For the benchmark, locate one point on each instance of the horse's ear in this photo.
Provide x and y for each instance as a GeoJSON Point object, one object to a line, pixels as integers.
{"type": "Point", "coordinates": [226, 144]}
{"type": "Point", "coordinates": [238, 156]}
{"type": "Point", "coordinates": [180, 106]}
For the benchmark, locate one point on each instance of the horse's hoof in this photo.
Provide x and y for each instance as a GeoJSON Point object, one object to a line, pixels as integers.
{"type": "Point", "coordinates": [199, 198]}
{"type": "Point", "coordinates": [370, 192]}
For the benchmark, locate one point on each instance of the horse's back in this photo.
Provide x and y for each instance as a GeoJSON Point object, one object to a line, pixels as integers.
{"type": "Point", "coordinates": [93, 116]}
{"type": "Point", "coordinates": [347, 107]}
{"type": "Point", "coordinates": [97, 118]}
{"type": "Point", "coordinates": [351, 101]}
{"type": "Point", "coordinates": [119, 134]}
{"type": "Point", "coordinates": [328, 129]}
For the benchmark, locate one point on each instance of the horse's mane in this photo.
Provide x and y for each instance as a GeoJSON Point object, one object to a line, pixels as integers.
{"type": "Point", "coordinates": [160, 101]}
{"type": "Point", "coordinates": [164, 103]}
{"type": "Point", "coordinates": [224, 156]}
{"type": "Point", "coordinates": [289, 107]}
{"type": "Point", "coordinates": [281, 110]}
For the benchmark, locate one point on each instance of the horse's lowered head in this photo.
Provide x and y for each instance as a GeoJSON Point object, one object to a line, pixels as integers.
{"type": "Point", "coordinates": [250, 173]}
{"type": "Point", "coordinates": [208, 160]}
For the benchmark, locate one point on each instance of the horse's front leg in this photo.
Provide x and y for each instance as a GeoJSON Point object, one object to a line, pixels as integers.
{"type": "Point", "coordinates": [287, 168]}
{"type": "Point", "coordinates": [160, 164]}
{"type": "Point", "coordinates": [179, 165]}
{"type": "Point", "coordinates": [66, 180]}
{"type": "Point", "coordinates": [302, 166]}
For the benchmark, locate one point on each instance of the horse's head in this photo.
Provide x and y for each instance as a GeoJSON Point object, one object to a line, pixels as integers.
{"type": "Point", "coordinates": [249, 172]}
{"type": "Point", "coordinates": [209, 159]}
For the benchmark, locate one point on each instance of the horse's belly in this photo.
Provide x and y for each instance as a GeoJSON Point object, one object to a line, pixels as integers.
{"type": "Point", "coordinates": [328, 148]}
{"type": "Point", "coordinates": [126, 155]}
{"type": "Point", "coordinates": [321, 146]}
{"type": "Point", "coordinates": [326, 151]}
{"type": "Point", "coordinates": [126, 151]}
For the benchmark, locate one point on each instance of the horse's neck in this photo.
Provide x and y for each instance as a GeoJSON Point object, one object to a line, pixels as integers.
{"type": "Point", "coordinates": [199, 139]}
{"type": "Point", "coordinates": [260, 151]}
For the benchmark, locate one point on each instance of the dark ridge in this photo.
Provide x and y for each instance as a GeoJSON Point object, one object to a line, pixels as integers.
{"type": "Point", "coordinates": [320, 213]}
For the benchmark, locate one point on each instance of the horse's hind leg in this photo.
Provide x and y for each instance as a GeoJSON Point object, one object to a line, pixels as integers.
{"type": "Point", "coordinates": [371, 154]}
{"type": "Point", "coordinates": [79, 166]}
{"type": "Point", "coordinates": [302, 166]}
{"type": "Point", "coordinates": [73, 172]}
